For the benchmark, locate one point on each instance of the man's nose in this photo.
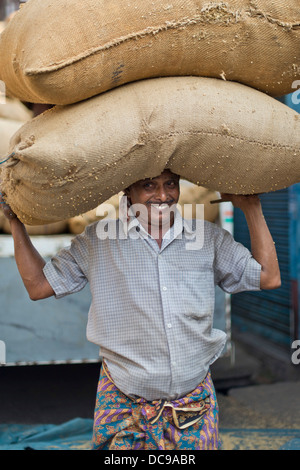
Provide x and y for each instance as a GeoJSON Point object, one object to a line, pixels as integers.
{"type": "Point", "coordinates": [161, 194]}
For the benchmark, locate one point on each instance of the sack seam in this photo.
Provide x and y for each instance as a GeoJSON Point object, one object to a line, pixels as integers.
{"type": "Point", "coordinates": [154, 30]}
{"type": "Point", "coordinates": [225, 134]}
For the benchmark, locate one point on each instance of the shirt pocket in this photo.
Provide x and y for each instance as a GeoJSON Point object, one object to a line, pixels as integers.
{"type": "Point", "coordinates": [197, 293]}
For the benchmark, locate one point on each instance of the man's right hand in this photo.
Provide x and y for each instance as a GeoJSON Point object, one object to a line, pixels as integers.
{"type": "Point", "coordinates": [6, 209]}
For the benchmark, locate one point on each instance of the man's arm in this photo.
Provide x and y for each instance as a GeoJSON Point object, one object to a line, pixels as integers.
{"type": "Point", "coordinates": [29, 262]}
{"type": "Point", "coordinates": [262, 245]}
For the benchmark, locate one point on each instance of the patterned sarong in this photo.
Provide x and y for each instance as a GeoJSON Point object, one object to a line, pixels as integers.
{"type": "Point", "coordinates": [122, 423]}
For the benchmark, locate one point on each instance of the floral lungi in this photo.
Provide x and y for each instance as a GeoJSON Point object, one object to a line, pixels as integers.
{"type": "Point", "coordinates": [123, 423]}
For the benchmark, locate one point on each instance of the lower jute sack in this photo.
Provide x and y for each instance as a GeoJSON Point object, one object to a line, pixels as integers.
{"type": "Point", "coordinates": [221, 135]}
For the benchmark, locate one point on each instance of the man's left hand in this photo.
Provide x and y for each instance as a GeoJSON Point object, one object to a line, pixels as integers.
{"type": "Point", "coordinates": [241, 201]}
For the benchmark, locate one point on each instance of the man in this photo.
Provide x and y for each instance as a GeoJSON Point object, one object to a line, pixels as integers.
{"type": "Point", "coordinates": [151, 312]}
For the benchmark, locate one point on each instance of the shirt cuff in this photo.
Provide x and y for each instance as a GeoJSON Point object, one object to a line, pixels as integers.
{"type": "Point", "coordinates": [53, 279]}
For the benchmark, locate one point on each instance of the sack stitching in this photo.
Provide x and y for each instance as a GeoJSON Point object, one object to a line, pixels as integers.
{"type": "Point", "coordinates": [154, 30]}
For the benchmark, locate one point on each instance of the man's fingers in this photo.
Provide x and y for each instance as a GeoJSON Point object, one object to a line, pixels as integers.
{"type": "Point", "coordinates": [7, 211]}
{"type": "Point", "coordinates": [9, 214]}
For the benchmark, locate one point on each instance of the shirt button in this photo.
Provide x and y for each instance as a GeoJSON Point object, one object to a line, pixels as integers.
{"type": "Point", "coordinates": [169, 325]}
{"type": "Point", "coordinates": [164, 288]}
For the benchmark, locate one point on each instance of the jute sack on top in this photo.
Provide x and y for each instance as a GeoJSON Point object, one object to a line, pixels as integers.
{"type": "Point", "coordinates": [220, 135]}
{"type": "Point", "coordinates": [61, 52]}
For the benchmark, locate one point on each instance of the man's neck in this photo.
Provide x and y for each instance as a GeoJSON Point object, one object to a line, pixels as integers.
{"type": "Point", "coordinates": [158, 232]}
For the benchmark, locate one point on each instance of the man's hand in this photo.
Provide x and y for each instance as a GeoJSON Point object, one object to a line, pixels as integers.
{"type": "Point", "coordinates": [9, 214]}
{"type": "Point", "coordinates": [241, 201]}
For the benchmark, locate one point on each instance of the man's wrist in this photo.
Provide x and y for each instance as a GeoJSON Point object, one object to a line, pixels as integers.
{"type": "Point", "coordinates": [15, 223]}
{"type": "Point", "coordinates": [253, 212]}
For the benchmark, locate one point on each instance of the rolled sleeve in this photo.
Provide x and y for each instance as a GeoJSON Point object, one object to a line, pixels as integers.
{"type": "Point", "coordinates": [63, 281]}
{"type": "Point", "coordinates": [235, 268]}
{"type": "Point", "coordinates": [251, 277]}
{"type": "Point", "coordinates": [67, 271]}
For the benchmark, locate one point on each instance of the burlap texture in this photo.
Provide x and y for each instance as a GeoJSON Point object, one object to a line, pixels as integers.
{"type": "Point", "coordinates": [63, 51]}
{"type": "Point", "coordinates": [221, 135]}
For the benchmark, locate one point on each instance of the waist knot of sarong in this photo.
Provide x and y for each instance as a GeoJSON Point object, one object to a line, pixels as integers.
{"type": "Point", "coordinates": [185, 412]}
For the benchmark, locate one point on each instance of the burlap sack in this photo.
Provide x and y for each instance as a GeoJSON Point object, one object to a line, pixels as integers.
{"type": "Point", "coordinates": [63, 51]}
{"type": "Point", "coordinates": [8, 128]}
{"type": "Point", "coordinates": [221, 135]}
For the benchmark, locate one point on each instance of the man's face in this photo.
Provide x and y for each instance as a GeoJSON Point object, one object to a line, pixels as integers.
{"type": "Point", "coordinates": [158, 195]}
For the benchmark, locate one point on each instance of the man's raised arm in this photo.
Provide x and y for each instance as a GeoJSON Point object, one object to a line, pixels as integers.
{"type": "Point", "coordinates": [29, 262]}
{"type": "Point", "coordinates": [262, 245]}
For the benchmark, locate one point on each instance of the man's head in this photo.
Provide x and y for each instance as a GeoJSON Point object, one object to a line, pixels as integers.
{"type": "Point", "coordinates": [158, 195]}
